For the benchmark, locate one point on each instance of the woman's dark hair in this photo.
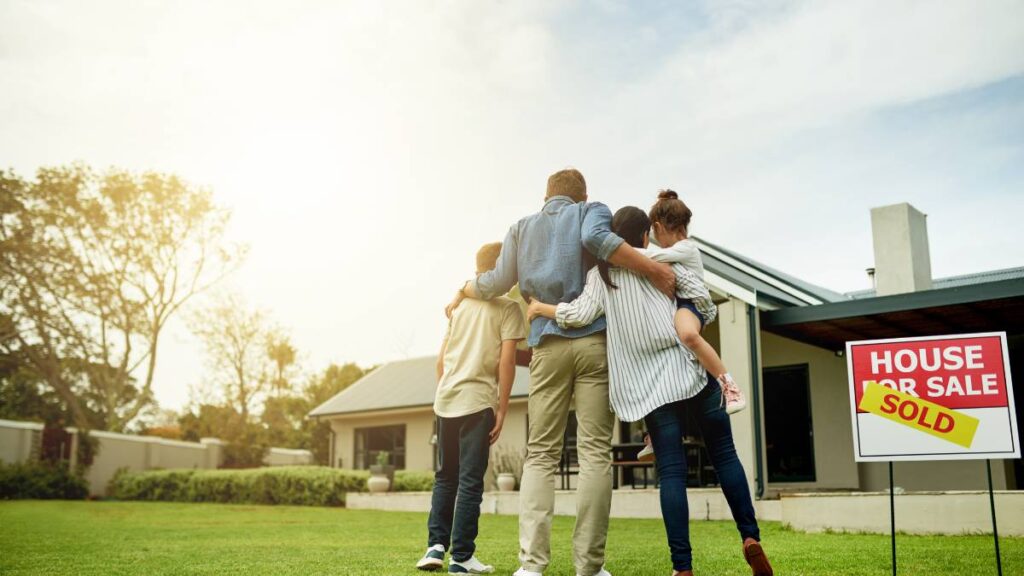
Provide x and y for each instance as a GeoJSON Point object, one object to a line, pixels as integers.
{"type": "Point", "coordinates": [671, 212]}
{"type": "Point", "coordinates": [629, 223]}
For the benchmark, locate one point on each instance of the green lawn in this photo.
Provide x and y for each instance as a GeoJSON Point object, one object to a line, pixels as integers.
{"type": "Point", "coordinates": [47, 537]}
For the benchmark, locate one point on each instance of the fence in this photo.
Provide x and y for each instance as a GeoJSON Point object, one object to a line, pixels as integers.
{"type": "Point", "coordinates": [20, 441]}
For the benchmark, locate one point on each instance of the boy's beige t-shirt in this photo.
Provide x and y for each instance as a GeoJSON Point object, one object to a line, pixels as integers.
{"type": "Point", "coordinates": [475, 333]}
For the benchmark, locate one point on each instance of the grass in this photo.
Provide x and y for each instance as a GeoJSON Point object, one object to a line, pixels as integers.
{"type": "Point", "coordinates": [50, 537]}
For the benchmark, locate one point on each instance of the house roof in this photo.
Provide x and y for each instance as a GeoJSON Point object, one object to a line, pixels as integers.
{"type": "Point", "coordinates": [770, 288]}
{"type": "Point", "coordinates": [956, 281]}
{"type": "Point", "coordinates": [397, 385]}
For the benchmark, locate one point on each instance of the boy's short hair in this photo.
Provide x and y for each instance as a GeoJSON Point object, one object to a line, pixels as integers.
{"type": "Point", "coordinates": [568, 182]}
{"type": "Point", "coordinates": [487, 257]}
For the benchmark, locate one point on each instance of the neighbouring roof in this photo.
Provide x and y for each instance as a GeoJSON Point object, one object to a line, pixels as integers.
{"type": "Point", "coordinates": [772, 288]}
{"type": "Point", "coordinates": [397, 385]}
{"type": "Point", "coordinates": [955, 281]}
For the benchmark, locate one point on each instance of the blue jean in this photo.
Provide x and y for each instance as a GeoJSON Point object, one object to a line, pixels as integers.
{"type": "Point", "coordinates": [666, 426]}
{"type": "Point", "coordinates": [463, 449]}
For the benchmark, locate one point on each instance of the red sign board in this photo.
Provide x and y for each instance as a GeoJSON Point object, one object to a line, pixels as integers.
{"type": "Point", "coordinates": [954, 371]}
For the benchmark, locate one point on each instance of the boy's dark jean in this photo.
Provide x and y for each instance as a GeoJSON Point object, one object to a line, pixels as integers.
{"type": "Point", "coordinates": [463, 448]}
{"type": "Point", "coordinates": [666, 427]}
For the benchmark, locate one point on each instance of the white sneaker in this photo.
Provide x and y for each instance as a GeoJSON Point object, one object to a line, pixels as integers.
{"type": "Point", "coordinates": [433, 559]}
{"type": "Point", "coordinates": [647, 454]}
{"type": "Point", "coordinates": [525, 572]}
{"type": "Point", "coordinates": [731, 394]}
{"type": "Point", "coordinates": [471, 566]}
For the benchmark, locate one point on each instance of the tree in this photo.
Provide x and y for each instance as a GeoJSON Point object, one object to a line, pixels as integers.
{"type": "Point", "coordinates": [92, 267]}
{"type": "Point", "coordinates": [234, 337]}
{"type": "Point", "coordinates": [282, 354]}
{"type": "Point", "coordinates": [333, 380]}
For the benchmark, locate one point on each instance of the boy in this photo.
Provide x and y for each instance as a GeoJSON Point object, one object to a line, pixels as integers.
{"type": "Point", "coordinates": [475, 371]}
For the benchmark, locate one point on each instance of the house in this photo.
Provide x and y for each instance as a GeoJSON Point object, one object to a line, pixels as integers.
{"type": "Point", "coordinates": [783, 339]}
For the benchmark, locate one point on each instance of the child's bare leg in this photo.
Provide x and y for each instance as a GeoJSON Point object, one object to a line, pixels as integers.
{"type": "Point", "coordinates": [688, 330]}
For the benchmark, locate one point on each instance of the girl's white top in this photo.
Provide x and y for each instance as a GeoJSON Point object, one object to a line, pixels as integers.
{"type": "Point", "coordinates": [684, 252]}
{"type": "Point", "coordinates": [648, 366]}
{"type": "Point", "coordinates": [687, 253]}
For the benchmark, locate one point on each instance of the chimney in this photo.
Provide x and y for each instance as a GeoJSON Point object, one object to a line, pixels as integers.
{"type": "Point", "coordinates": [900, 236]}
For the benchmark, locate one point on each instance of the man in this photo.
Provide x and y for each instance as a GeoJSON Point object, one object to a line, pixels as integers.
{"type": "Point", "coordinates": [548, 254]}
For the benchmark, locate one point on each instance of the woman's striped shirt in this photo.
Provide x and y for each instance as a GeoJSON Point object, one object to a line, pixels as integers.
{"type": "Point", "coordinates": [648, 366]}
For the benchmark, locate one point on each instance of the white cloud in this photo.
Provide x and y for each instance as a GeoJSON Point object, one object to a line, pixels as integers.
{"type": "Point", "coordinates": [368, 148]}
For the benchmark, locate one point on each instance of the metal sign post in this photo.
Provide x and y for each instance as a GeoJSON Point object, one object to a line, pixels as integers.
{"type": "Point", "coordinates": [892, 518]}
{"type": "Point", "coordinates": [992, 505]}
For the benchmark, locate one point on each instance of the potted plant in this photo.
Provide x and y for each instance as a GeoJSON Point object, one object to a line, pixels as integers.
{"type": "Point", "coordinates": [382, 474]}
{"type": "Point", "coordinates": [508, 465]}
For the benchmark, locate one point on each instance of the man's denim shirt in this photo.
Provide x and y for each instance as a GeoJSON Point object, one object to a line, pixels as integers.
{"type": "Point", "coordinates": [549, 254]}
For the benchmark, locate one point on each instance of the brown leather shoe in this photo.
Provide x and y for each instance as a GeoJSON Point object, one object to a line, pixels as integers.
{"type": "Point", "coordinates": [756, 558]}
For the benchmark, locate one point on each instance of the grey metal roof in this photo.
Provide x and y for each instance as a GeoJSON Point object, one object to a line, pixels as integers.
{"type": "Point", "coordinates": [400, 384]}
{"type": "Point", "coordinates": [772, 286]}
{"type": "Point", "coordinates": [957, 281]}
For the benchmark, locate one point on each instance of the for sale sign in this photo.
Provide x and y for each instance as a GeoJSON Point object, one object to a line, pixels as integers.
{"type": "Point", "coordinates": [932, 398]}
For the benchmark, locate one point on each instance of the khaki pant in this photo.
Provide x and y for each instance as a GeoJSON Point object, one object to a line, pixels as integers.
{"type": "Point", "coordinates": [564, 369]}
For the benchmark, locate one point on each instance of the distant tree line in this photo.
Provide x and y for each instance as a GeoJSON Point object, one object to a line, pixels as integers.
{"type": "Point", "coordinates": [92, 267]}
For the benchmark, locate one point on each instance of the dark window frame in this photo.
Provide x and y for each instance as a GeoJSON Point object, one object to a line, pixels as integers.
{"type": "Point", "coordinates": [361, 461]}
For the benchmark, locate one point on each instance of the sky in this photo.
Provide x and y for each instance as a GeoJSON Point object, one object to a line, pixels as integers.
{"type": "Point", "coordinates": [367, 149]}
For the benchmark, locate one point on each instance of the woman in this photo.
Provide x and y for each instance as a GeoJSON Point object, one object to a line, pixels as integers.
{"type": "Point", "coordinates": [654, 377]}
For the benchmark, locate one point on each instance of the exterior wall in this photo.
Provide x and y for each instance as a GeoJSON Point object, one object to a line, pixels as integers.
{"type": "Point", "coordinates": [139, 453]}
{"type": "Point", "coordinates": [288, 457]}
{"type": "Point", "coordinates": [730, 334]}
{"type": "Point", "coordinates": [834, 465]}
{"type": "Point", "coordinates": [419, 429]}
{"type": "Point", "coordinates": [920, 513]}
{"type": "Point", "coordinates": [19, 441]}
{"type": "Point", "coordinates": [117, 451]}
{"type": "Point", "coordinates": [937, 475]}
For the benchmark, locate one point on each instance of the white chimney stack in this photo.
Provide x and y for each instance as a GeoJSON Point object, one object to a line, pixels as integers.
{"type": "Point", "coordinates": [902, 262]}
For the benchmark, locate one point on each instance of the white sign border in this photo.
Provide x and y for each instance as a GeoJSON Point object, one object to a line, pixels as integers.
{"type": "Point", "coordinates": [1015, 437]}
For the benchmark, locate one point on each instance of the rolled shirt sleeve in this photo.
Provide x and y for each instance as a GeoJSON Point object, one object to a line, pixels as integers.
{"type": "Point", "coordinates": [597, 234]}
{"type": "Point", "coordinates": [505, 274]}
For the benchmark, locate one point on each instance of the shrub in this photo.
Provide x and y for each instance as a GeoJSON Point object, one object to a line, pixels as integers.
{"type": "Point", "coordinates": [294, 485]}
{"type": "Point", "coordinates": [42, 480]}
{"type": "Point", "coordinates": [413, 481]}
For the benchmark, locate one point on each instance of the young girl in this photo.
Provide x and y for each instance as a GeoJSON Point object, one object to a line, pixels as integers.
{"type": "Point", "coordinates": [670, 218]}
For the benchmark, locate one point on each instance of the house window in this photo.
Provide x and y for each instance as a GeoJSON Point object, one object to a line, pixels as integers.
{"type": "Point", "coordinates": [372, 441]}
{"type": "Point", "coordinates": [789, 432]}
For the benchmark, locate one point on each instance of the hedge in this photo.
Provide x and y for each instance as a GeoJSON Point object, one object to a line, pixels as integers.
{"type": "Point", "coordinates": [294, 485]}
{"type": "Point", "coordinates": [413, 481]}
{"type": "Point", "coordinates": [41, 480]}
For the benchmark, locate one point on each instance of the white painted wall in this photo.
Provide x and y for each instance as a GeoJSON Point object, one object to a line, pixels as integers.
{"type": "Point", "coordinates": [19, 441]}
{"type": "Point", "coordinates": [133, 452]}
{"type": "Point", "coordinates": [834, 465]}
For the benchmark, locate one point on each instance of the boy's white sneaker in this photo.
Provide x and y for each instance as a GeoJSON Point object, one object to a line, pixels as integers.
{"type": "Point", "coordinates": [433, 559]}
{"type": "Point", "coordinates": [603, 572]}
{"type": "Point", "coordinates": [471, 566]}
{"type": "Point", "coordinates": [525, 572]}
{"type": "Point", "coordinates": [731, 394]}
{"type": "Point", "coordinates": [647, 454]}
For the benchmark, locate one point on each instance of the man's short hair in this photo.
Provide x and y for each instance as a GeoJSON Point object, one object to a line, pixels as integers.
{"type": "Point", "coordinates": [487, 257]}
{"type": "Point", "coordinates": [568, 182]}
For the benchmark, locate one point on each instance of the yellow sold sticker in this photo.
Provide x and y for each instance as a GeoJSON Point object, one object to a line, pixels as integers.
{"type": "Point", "coordinates": [922, 415]}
